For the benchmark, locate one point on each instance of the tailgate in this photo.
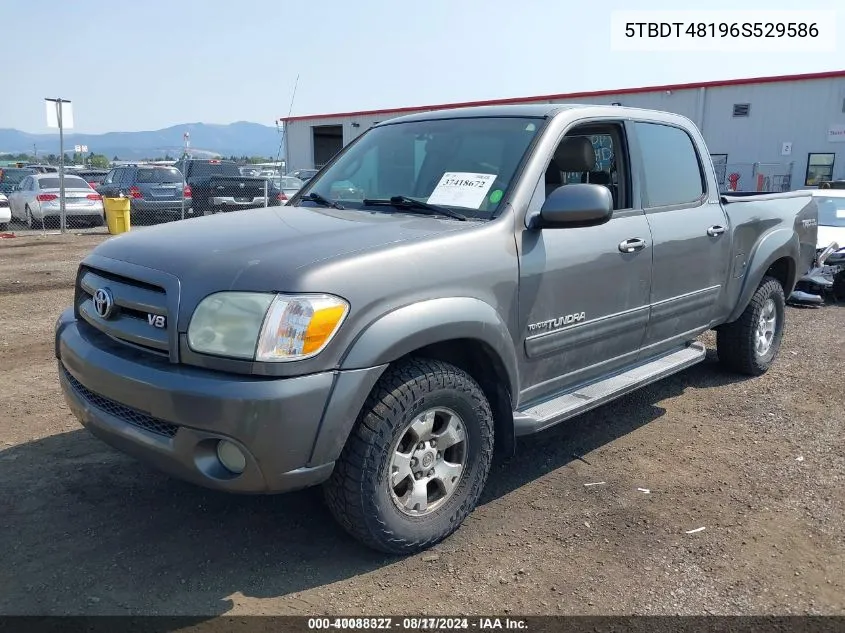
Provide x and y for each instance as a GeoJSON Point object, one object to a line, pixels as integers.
{"type": "Point", "coordinates": [238, 188]}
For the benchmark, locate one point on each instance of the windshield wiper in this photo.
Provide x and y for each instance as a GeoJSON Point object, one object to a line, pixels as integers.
{"type": "Point", "coordinates": [322, 200]}
{"type": "Point", "coordinates": [404, 202]}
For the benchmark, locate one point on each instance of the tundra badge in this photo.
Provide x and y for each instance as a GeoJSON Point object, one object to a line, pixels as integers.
{"type": "Point", "coordinates": [552, 324]}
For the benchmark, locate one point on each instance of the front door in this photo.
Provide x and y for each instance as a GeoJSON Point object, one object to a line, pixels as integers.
{"type": "Point", "coordinates": [584, 292]}
{"type": "Point", "coordinates": [690, 234]}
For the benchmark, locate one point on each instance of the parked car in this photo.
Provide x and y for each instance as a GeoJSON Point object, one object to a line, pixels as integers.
{"type": "Point", "coordinates": [831, 204]}
{"type": "Point", "coordinates": [36, 200]}
{"type": "Point", "coordinates": [5, 212]}
{"type": "Point", "coordinates": [304, 174]}
{"type": "Point", "coordinates": [11, 176]}
{"type": "Point", "coordinates": [93, 177]}
{"type": "Point", "coordinates": [218, 185]}
{"type": "Point", "coordinates": [288, 185]}
{"type": "Point", "coordinates": [156, 193]}
{"type": "Point", "coordinates": [385, 347]}
{"type": "Point", "coordinates": [43, 169]}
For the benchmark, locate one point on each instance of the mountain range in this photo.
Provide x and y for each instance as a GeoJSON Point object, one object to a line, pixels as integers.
{"type": "Point", "coordinates": [234, 139]}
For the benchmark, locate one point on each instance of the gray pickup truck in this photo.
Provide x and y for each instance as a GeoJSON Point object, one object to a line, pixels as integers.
{"type": "Point", "coordinates": [492, 272]}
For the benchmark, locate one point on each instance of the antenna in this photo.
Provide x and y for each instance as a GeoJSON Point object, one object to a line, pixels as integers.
{"type": "Point", "coordinates": [285, 127]}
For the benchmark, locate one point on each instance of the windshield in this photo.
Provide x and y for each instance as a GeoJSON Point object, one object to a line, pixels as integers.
{"type": "Point", "coordinates": [464, 163]}
{"type": "Point", "coordinates": [831, 211]}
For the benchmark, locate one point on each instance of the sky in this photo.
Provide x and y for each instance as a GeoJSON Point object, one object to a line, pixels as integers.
{"type": "Point", "coordinates": [130, 66]}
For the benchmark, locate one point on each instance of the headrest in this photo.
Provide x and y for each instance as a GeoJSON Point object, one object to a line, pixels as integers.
{"type": "Point", "coordinates": [576, 154]}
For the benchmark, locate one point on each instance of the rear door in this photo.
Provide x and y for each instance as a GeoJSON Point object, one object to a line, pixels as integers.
{"type": "Point", "coordinates": [690, 232]}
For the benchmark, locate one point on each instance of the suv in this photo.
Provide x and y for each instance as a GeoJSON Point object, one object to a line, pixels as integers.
{"type": "Point", "coordinates": [156, 192]}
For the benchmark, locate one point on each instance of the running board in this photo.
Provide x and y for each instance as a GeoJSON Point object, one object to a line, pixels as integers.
{"type": "Point", "coordinates": [551, 412]}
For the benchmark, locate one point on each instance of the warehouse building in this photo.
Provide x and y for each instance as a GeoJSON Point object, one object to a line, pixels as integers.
{"type": "Point", "coordinates": [764, 133]}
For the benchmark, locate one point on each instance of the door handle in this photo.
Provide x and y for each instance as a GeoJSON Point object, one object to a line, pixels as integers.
{"type": "Point", "coordinates": [715, 230]}
{"type": "Point", "coordinates": [631, 245]}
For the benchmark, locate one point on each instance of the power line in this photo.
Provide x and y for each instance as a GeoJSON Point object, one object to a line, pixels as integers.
{"type": "Point", "coordinates": [285, 128]}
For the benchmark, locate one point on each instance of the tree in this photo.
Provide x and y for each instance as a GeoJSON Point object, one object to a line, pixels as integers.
{"type": "Point", "coordinates": [98, 161]}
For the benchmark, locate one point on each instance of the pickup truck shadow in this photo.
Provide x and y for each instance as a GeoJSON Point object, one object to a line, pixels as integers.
{"type": "Point", "coordinates": [89, 531]}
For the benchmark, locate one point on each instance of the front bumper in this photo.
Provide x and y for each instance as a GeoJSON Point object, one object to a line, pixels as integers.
{"type": "Point", "coordinates": [172, 416]}
{"type": "Point", "coordinates": [5, 215]}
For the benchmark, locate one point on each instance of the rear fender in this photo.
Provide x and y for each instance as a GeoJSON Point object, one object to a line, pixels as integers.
{"type": "Point", "coordinates": [773, 246]}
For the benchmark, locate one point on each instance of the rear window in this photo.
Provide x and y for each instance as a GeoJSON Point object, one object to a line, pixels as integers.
{"type": "Point", "coordinates": [158, 175]}
{"type": "Point", "coordinates": [215, 169]}
{"type": "Point", "coordinates": [14, 176]}
{"type": "Point", "coordinates": [71, 182]}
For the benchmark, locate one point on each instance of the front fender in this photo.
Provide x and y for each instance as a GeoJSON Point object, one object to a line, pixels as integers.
{"type": "Point", "coordinates": [771, 247]}
{"type": "Point", "coordinates": [411, 327]}
{"type": "Point", "coordinates": [394, 335]}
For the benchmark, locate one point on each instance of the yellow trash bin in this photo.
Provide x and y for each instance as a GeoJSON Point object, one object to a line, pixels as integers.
{"type": "Point", "coordinates": [117, 214]}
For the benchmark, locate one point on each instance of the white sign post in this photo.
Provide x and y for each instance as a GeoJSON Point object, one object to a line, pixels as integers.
{"type": "Point", "coordinates": [60, 115]}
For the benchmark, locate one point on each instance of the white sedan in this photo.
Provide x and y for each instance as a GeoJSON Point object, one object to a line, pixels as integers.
{"type": "Point", "coordinates": [5, 212]}
{"type": "Point", "coordinates": [831, 216]}
{"type": "Point", "coordinates": [36, 200]}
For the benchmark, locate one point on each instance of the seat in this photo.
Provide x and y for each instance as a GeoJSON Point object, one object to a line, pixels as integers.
{"type": "Point", "coordinates": [573, 154]}
{"type": "Point", "coordinates": [576, 154]}
{"type": "Point", "coordinates": [602, 178]}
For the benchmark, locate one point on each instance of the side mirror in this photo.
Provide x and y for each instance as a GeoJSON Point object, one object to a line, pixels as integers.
{"type": "Point", "coordinates": [575, 205]}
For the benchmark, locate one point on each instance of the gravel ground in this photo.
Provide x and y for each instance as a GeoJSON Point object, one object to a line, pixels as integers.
{"type": "Point", "coordinates": [760, 464]}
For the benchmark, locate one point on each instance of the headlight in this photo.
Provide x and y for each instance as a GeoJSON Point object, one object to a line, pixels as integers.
{"type": "Point", "coordinates": [265, 327]}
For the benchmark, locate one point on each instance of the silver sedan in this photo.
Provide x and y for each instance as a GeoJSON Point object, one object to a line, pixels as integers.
{"type": "Point", "coordinates": [288, 186]}
{"type": "Point", "coordinates": [36, 200]}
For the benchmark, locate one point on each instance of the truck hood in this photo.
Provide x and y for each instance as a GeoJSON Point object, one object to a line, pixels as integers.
{"type": "Point", "coordinates": [262, 249]}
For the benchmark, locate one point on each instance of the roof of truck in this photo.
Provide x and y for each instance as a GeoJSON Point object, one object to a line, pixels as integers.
{"type": "Point", "coordinates": [532, 110]}
{"type": "Point", "coordinates": [529, 110]}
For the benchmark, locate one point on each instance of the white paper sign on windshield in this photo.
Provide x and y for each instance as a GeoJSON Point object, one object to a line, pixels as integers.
{"type": "Point", "coordinates": [840, 213]}
{"type": "Point", "coordinates": [462, 189]}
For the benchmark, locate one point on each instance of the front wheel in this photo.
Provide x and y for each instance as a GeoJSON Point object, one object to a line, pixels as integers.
{"type": "Point", "coordinates": [417, 460]}
{"type": "Point", "coordinates": [750, 344]}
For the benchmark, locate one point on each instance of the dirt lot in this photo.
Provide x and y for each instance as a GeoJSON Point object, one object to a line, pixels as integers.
{"type": "Point", "coordinates": [759, 463]}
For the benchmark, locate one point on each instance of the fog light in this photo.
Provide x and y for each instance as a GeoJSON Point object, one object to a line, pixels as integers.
{"type": "Point", "coordinates": [231, 456]}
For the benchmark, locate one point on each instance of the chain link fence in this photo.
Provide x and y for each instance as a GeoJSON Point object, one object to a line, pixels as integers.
{"type": "Point", "coordinates": [155, 192]}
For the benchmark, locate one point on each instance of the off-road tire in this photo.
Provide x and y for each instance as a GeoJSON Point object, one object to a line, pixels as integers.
{"type": "Point", "coordinates": [735, 341]}
{"type": "Point", "coordinates": [358, 494]}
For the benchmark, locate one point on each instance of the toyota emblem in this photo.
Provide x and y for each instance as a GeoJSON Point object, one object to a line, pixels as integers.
{"type": "Point", "coordinates": [103, 303]}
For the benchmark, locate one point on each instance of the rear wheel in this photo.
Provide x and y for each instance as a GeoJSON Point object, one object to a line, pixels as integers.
{"type": "Point", "coordinates": [417, 460]}
{"type": "Point", "coordinates": [750, 344]}
{"type": "Point", "coordinates": [4, 226]}
{"type": "Point", "coordinates": [30, 221]}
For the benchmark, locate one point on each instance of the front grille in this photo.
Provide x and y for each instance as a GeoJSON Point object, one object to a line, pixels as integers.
{"type": "Point", "coordinates": [129, 415]}
{"type": "Point", "coordinates": [138, 309]}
